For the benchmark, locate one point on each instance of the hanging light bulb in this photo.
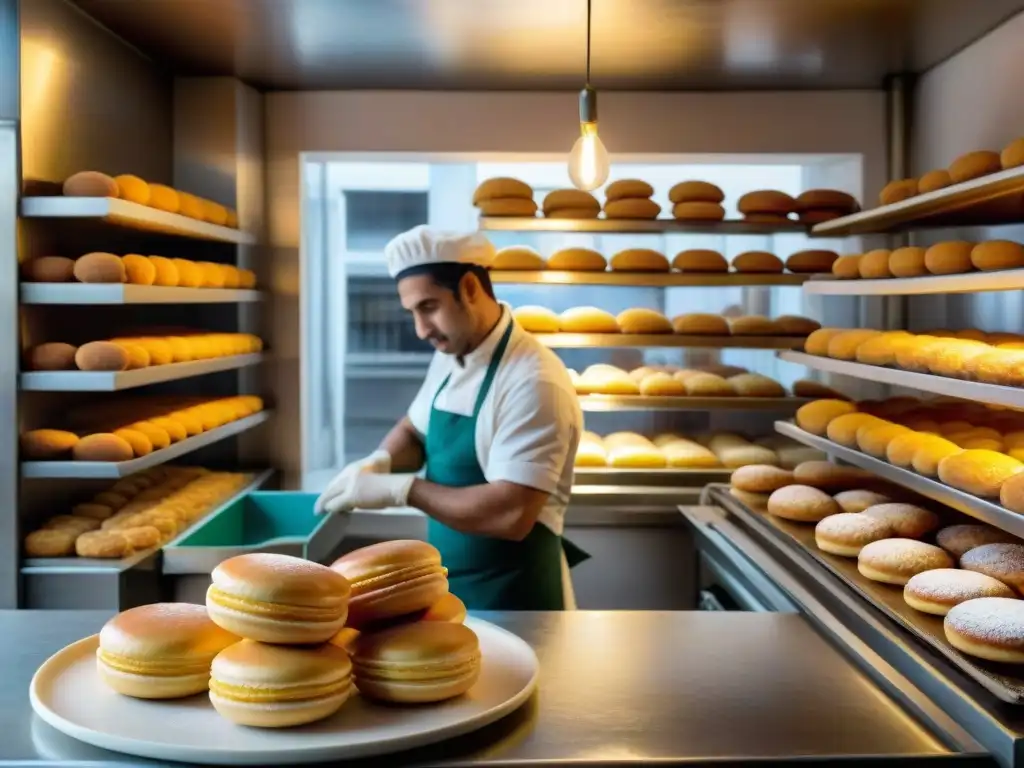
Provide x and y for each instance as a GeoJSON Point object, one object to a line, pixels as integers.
{"type": "Point", "coordinates": [588, 161]}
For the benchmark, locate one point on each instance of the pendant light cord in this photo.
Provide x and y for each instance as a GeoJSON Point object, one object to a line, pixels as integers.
{"type": "Point", "coordinates": [588, 43]}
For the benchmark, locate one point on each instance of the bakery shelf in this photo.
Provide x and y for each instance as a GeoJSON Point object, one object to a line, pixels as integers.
{"type": "Point", "coordinates": [615, 403]}
{"type": "Point", "coordinates": [71, 565]}
{"type": "Point", "coordinates": [981, 509]}
{"type": "Point", "coordinates": [117, 293]}
{"type": "Point", "coordinates": [585, 340]}
{"type": "Point", "coordinates": [634, 226]}
{"type": "Point", "coordinates": [956, 205]}
{"type": "Point", "coordinates": [644, 279]}
{"type": "Point", "coordinates": [993, 394]}
{"type": "Point", "coordinates": [970, 282]}
{"type": "Point", "coordinates": [130, 215]}
{"type": "Point", "coordinates": [588, 476]}
{"type": "Point", "coordinates": [111, 381]}
{"type": "Point", "coordinates": [101, 470]}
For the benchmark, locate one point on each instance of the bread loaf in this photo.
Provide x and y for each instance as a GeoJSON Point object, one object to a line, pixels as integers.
{"type": "Point", "coordinates": [577, 260]}
{"type": "Point", "coordinates": [99, 268]}
{"type": "Point", "coordinates": [639, 260]}
{"type": "Point", "coordinates": [1012, 155]}
{"type": "Point", "coordinates": [810, 261]}
{"type": "Point", "coordinates": [997, 254]}
{"type": "Point", "coordinates": [753, 325]}
{"type": "Point", "coordinates": [53, 356]}
{"type": "Point", "coordinates": [767, 201]}
{"type": "Point", "coordinates": [661, 384]}
{"type": "Point", "coordinates": [758, 262]}
{"type": "Point", "coordinates": [847, 267]}
{"type": "Point", "coordinates": [642, 321]}
{"type": "Point", "coordinates": [700, 324]}
{"type": "Point", "coordinates": [949, 258]}
{"type": "Point", "coordinates": [502, 187]}
{"type": "Point", "coordinates": [695, 191]}
{"type": "Point", "coordinates": [908, 262]}
{"type": "Point", "coordinates": [587, 320]}
{"type": "Point", "coordinates": [974, 165]}
{"type": "Point", "coordinates": [537, 319]}
{"type": "Point", "coordinates": [815, 417]}
{"type": "Point", "coordinates": [874, 265]}
{"type": "Point", "coordinates": [164, 198]}
{"type": "Point", "coordinates": [49, 269]}
{"type": "Point", "coordinates": [518, 257]}
{"type": "Point", "coordinates": [700, 260]}
{"type": "Point", "coordinates": [933, 180]}
{"type": "Point", "coordinates": [897, 191]}
{"type": "Point", "coordinates": [628, 189]}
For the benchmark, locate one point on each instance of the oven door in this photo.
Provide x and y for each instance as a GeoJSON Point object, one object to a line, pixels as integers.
{"type": "Point", "coordinates": [729, 579]}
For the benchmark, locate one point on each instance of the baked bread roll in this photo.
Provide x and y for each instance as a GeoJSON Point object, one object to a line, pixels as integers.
{"type": "Point", "coordinates": [753, 325]}
{"type": "Point", "coordinates": [641, 321]}
{"type": "Point", "coordinates": [102, 447]}
{"type": "Point", "coordinates": [662, 384]}
{"type": "Point", "coordinates": [758, 501]}
{"type": "Point", "coordinates": [997, 254]}
{"type": "Point", "coordinates": [627, 189]}
{"type": "Point", "coordinates": [53, 356]}
{"type": "Point", "coordinates": [164, 198]}
{"type": "Point", "coordinates": [631, 208]}
{"type": "Point", "coordinates": [896, 561]}
{"type": "Point", "coordinates": [874, 265]}
{"type": "Point", "coordinates": [897, 191]}
{"type": "Point", "coordinates": [502, 187]}
{"type": "Point", "coordinates": [587, 320]}
{"type": "Point", "coordinates": [90, 184]}
{"type": "Point", "coordinates": [949, 258]}
{"type": "Point", "coordinates": [860, 499]}
{"type": "Point", "coordinates": [907, 520]}
{"type": "Point", "coordinates": [570, 199]}
{"type": "Point", "coordinates": [978, 472]}
{"type": "Point", "coordinates": [641, 373]}
{"type": "Point", "coordinates": [794, 325]}
{"type": "Point", "coordinates": [960, 539]}
{"type": "Point", "coordinates": [755, 385]}
{"type": "Point", "coordinates": [952, 357]}
{"type": "Point", "coordinates": [700, 324]}
{"type": "Point", "coordinates": [636, 457]}
{"type": "Point", "coordinates": [1012, 155]}
{"type": "Point", "coordinates": [518, 257]}
{"type": "Point", "coordinates": [931, 452]}
{"type": "Point", "coordinates": [933, 180]}
{"type": "Point", "coordinates": [47, 443]}
{"type": "Point", "coordinates": [758, 262]}
{"type": "Point", "coordinates": [843, 429]}
{"type": "Point", "coordinates": [190, 206]}
{"type": "Point", "coordinates": [1011, 494]}
{"type": "Point", "coordinates": [736, 456]}
{"type": "Point", "coordinates": [998, 366]}
{"type": "Point", "coordinates": [49, 269]}
{"type": "Point", "coordinates": [847, 267]}
{"type": "Point", "coordinates": [990, 628]}
{"type": "Point", "coordinates": [761, 478]}
{"type": "Point", "coordinates": [577, 260]}
{"type": "Point", "coordinates": [1000, 561]}
{"type": "Point", "coordinates": [908, 262]}
{"type": "Point", "coordinates": [639, 260]}
{"type": "Point", "coordinates": [99, 268]}
{"type": "Point", "coordinates": [766, 201]}
{"type": "Point", "coordinates": [830, 200]}
{"type": "Point", "coordinates": [938, 591]}
{"type": "Point", "coordinates": [606, 380]}
{"type": "Point", "coordinates": [707, 385]}
{"type": "Point", "coordinates": [873, 438]}
{"type": "Point", "coordinates": [535, 319]}
{"type": "Point", "coordinates": [590, 454]}
{"type": "Point", "coordinates": [973, 165]}
{"type": "Point", "coordinates": [832, 477]}
{"type": "Point", "coordinates": [507, 206]}
{"type": "Point", "coordinates": [697, 211]}
{"type": "Point", "coordinates": [700, 260]}
{"type": "Point", "coordinates": [101, 356]}
{"type": "Point", "coordinates": [695, 192]}
{"type": "Point", "coordinates": [811, 388]}
{"type": "Point", "coordinates": [843, 346]}
{"type": "Point", "coordinates": [817, 342]}
{"type": "Point", "coordinates": [811, 261]}
{"type": "Point", "coordinates": [847, 533]}
{"type": "Point", "coordinates": [686, 454]}
{"type": "Point", "coordinates": [802, 504]}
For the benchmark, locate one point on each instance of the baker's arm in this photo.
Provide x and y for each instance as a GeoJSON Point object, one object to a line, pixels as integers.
{"type": "Point", "coordinates": [501, 509]}
{"type": "Point", "coordinates": [405, 446]}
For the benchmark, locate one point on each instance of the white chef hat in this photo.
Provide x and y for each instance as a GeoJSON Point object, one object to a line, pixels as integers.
{"type": "Point", "coordinates": [423, 247]}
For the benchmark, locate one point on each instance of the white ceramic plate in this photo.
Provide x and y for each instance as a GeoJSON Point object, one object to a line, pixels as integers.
{"type": "Point", "coordinates": [68, 693]}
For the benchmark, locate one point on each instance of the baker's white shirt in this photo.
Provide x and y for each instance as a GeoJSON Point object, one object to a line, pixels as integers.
{"type": "Point", "coordinates": [530, 422]}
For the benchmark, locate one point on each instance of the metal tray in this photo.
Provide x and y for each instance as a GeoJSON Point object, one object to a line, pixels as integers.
{"type": "Point", "coordinates": [1004, 681]}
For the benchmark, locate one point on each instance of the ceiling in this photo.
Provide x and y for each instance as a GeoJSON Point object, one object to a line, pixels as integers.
{"type": "Point", "coordinates": [540, 44]}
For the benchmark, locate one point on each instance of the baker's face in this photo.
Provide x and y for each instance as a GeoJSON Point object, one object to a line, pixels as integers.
{"type": "Point", "coordinates": [439, 317]}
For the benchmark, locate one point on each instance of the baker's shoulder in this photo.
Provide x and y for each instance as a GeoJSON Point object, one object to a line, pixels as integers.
{"type": "Point", "coordinates": [530, 363]}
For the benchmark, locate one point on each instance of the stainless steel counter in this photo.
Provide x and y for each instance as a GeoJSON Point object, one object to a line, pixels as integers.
{"type": "Point", "coordinates": [616, 688]}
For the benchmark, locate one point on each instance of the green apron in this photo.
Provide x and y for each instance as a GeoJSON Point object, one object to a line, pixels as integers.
{"type": "Point", "coordinates": [489, 573]}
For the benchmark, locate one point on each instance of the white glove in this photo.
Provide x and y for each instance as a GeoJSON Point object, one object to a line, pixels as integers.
{"type": "Point", "coordinates": [378, 462]}
{"type": "Point", "coordinates": [368, 490]}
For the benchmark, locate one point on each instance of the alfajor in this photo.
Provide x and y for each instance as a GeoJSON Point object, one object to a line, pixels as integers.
{"type": "Point", "coordinates": [278, 599]}
{"type": "Point", "coordinates": [392, 578]}
{"type": "Point", "coordinates": [160, 651]}
{"type": "Point", "coordinates": [275, 686]}
{"type": "Point", "coordinates": [417, 663]}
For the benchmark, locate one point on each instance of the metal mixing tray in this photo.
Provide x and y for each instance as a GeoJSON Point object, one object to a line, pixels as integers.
{"type": "Point", "coordinates": [1005, 681]}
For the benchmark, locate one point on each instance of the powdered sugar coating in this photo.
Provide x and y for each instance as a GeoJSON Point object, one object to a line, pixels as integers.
{"type": "Point", "coordinates": [909, 521]}
{"type": "Point", "coordinates": [992, 620]}
{"type": "Point", "coordinates": [1000, 561]}
{"type": "Point", "coordinates": [960, 539]}
{"type": "Point", "coordinates": [952, 586]}
{"type": "Point", "coordinates": [904, 557]}
{"type": "Point", "coordinates": [860, 499]}
{"type": "Point", "coordinates": [853, 529]}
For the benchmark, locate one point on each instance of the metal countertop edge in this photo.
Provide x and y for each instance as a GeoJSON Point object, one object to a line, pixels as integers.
{"type": "Point", "coordinates": [935, 693]}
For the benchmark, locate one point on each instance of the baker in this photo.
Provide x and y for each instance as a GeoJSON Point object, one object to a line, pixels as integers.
{"type": "Point", "coordinates": [496, 425]}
